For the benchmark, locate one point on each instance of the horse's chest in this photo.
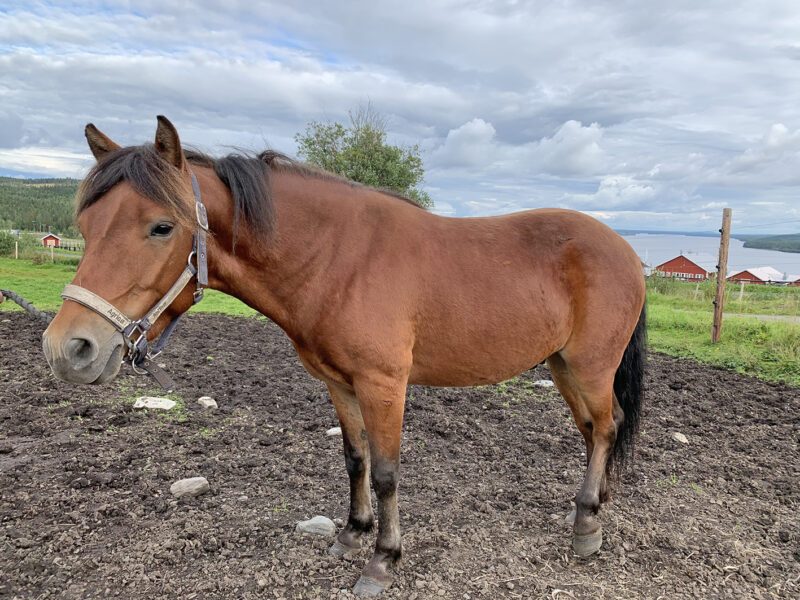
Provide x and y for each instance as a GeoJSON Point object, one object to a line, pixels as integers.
{"type": "Point", "coordinates": [321, 369]}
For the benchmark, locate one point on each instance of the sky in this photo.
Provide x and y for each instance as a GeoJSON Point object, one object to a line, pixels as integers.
{"type": "Point", "coordinates": [644, 115]}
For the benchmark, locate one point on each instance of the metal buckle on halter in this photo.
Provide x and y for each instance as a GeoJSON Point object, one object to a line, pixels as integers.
{"type": "Point", "coordinates": [202, 215]}
{"type": "Point", "coordinates": [135, 337]}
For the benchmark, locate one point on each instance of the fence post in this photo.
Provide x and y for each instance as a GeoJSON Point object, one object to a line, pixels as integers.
{"type": "Point", "coordinates": [722, 272]}
{"type": "Point", "coordinates": [16, 250]}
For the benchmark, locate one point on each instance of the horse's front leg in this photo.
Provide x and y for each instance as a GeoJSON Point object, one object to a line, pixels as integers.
{"type": "Point", "coordinates": [356, 457]}
{"type": "Point", "coordinates": [382, 403]}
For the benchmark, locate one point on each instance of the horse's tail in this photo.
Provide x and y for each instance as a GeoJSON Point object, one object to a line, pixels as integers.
{"type": "Point", "coordinates": [629, 390]}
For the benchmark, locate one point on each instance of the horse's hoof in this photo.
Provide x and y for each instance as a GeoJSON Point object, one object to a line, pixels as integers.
{"type": "Point", "coordinates": [367, 587]}
{"type": "Point", "coordinates": [340, 550]}
{"type": "Point", "coordinates": [588, 544]}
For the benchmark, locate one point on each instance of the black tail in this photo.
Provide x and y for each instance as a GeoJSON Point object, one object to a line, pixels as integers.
{"type": "Point", "coordinates": [629, 390]}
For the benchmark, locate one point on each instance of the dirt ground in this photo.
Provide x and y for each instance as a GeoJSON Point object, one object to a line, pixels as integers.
{"type": "Point", "coordinates": [488, 476]}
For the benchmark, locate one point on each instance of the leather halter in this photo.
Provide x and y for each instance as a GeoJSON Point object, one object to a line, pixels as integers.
{"type": "Point", "coordinates": [134, 331]}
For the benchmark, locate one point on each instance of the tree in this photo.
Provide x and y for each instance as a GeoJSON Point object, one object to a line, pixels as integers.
{"type": "Point", "coordinates": [7, 243]}
{"type": "Point", "coordinates": [361, 153]}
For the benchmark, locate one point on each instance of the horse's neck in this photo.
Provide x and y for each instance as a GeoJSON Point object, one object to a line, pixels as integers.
{"type": "Point", "coordinates": [271, 276]}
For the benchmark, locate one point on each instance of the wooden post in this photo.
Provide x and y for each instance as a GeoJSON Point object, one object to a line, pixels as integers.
{"type": "Point", "coordinates": [741, 291]}
{"type": "Point", "coordinates": [722, 272]}
{"type": "Point", "coordinates": [52, 254]}
{"type": "Point", "coordinates": [16, 250]}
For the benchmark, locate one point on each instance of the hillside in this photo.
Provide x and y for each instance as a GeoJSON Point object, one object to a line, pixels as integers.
{"type": "Point", "coordinates": [36, 204]}
{"type": "Point", "coordinates": [781, 243]}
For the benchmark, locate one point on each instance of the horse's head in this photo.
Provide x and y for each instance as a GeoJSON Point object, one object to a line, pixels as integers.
{"type": "Point", "coordinates": [135, 211]}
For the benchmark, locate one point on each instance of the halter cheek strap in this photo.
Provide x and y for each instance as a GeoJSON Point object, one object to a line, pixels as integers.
{"type": "Point", "coordinates": [134, 332]}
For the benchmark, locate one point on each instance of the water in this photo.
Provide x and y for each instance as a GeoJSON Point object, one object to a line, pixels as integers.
{"type": "Point", "coordinates": [655, 249]}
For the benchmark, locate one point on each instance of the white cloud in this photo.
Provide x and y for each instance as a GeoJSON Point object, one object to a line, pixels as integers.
{"type": "Point", "coordinates": [624, 109]}
{"type": "Point", "coordinates": [471, 144]}
{"type": "Point", "coordinates": [573, 150]}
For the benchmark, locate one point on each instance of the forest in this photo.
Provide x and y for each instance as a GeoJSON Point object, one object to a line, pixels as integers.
{"type": "Point", "coordinates": [38, 205]}
{"type": "Point", "coordinates": [782, 243]}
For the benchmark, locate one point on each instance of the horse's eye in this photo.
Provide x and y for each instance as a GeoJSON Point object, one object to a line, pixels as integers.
{"type": "Point", "coordinates": [161, 230]}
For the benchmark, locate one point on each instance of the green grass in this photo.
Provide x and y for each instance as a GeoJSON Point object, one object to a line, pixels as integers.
{"type": "Point", "coordinates": [766, 349]}
{"type": "Point", "coordinates": [753, 299]}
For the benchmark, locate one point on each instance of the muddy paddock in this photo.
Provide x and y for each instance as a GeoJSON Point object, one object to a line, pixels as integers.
{"type": "Point", "coordinates": [487, 479]}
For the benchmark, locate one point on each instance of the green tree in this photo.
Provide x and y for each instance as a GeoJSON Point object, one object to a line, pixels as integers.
{"type": "Point", "coordinates": [361, 153]}
{"type": "Point", "coordinates": [7, 243]}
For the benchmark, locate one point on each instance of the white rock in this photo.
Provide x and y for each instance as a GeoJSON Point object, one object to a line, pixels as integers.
{"type": "Point", "coordinates": [193, 486]}
{"type": "Point", "coordinates": [154, 402]}
{"type": "Point", "coordinates": [679, 437]}
{"type": "Point", "coordinates": [333, 431]}
{"type": "Point", "coordinates": [207, 402]}
{"type": "Point", "coordinates": [543, 383]}
{"type": "Point", "coordinates": [318, 526]}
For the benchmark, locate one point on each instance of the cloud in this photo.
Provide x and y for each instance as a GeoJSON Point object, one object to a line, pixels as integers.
{"type": "Point", "coordinates": [777, 152]}
{"type": "Point", "coordinates": [470, 144]}
{"type": "Point", "coordinates": [12, 133]}
{"type": "Point", "coordinates": [572, 150]}
{"type": "Point", "coordinates": [623, 109]}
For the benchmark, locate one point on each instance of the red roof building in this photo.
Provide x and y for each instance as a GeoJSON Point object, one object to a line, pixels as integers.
{"type": "Point", "coordinates": [763, 276]}
{"type": "Point", "coordinates": [697, 268]}
{"type": "Point", "coordinates": [51, 239]}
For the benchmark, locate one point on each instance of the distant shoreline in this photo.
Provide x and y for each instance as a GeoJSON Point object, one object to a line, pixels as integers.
{"type": "Point", "coordinates": [785, 243]}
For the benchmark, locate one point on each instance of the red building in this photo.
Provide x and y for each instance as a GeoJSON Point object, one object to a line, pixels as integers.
{"type": "Point", "coordinates": [763, 276]}
{"type": "Point", "coordinates": [51, 239]}
{"type": "Point", "coordinates": [697, 268]}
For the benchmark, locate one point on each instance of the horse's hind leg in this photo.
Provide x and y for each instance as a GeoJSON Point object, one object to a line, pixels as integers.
{"type": "Point", "coordinates": [356, 457]}
{"type": "Point", "coordinates": [587, 387]}
{"type": "Point", "coordinates": [571, 392]}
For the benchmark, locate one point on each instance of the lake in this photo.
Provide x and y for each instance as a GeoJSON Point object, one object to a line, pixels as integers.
{"type": "Point", "coordinates": [655, 249]}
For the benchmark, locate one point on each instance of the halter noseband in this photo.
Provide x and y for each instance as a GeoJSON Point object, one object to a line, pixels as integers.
{"type": "Point", "coordinates": [134, 332]}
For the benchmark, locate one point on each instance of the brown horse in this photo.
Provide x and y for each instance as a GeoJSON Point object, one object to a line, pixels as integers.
{"type": "Point", "coordinates": [375, 293]}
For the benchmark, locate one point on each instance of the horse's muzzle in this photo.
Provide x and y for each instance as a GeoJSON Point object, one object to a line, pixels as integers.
{"type": "Point", "coordinates": [81, 358]}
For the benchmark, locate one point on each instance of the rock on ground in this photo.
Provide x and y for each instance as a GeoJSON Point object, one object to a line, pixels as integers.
{"type": "Point", "coordinates": [543, 383]}
{"type": "Point", "coordinates": [154, 402]}
{"type": "Point", "coordinates": [334, 431]}
{"type": "Point", "coordinates": [193, 486]}
{"type": "Point", "coordinates": [679, 437]}
{"type": "Point", "coordinates": [207, 402]}
{"type": "Point", "coordinates": [318, 526]}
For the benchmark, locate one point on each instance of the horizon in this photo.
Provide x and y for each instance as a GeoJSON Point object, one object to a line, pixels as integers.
{"type": "Point", "coordinates": [634, 115]}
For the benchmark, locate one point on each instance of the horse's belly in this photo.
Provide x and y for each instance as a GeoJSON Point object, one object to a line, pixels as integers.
{"type": "Point", "coordinates": [480, 361]}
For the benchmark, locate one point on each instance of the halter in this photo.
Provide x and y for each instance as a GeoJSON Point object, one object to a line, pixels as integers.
{"type": "Point", "coordinates": [134, 332]}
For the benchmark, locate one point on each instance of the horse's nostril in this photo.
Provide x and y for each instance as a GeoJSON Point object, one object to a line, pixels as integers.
{"type": "Point", "coordinates": [81, 352]}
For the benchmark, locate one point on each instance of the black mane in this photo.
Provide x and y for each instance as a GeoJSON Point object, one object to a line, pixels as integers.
{"type": "Point", "coordinates": [247, 177]}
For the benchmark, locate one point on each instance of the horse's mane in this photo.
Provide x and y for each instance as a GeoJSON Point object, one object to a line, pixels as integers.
{"type": "Point", "coordinates": [246, 175]}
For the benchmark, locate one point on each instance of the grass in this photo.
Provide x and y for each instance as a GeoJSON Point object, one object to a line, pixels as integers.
{"type": "Point", "coordinates": [752, 299]}
{"type": "Point", "coordinates": [766, 349]}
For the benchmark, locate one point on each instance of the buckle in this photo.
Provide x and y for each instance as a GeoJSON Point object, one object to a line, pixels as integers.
{"type": "Point", "coordinates": [202, 215]}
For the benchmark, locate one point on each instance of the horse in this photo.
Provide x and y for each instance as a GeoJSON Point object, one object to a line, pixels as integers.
{"type": "Point", "coordinates": [374, 292]}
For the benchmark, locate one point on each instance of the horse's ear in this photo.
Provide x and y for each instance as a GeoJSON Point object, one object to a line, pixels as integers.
{"type": "Point", "coordinates": [168, 144]}
{"type": "Point", "coordinates": [99, 143]}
